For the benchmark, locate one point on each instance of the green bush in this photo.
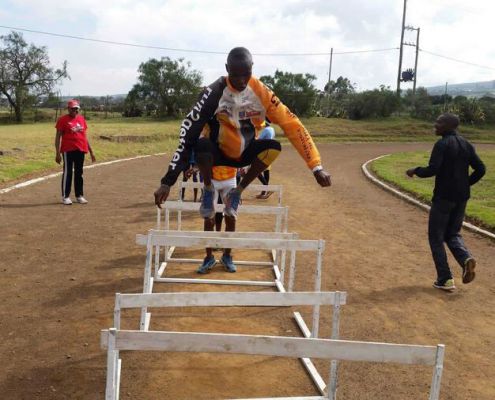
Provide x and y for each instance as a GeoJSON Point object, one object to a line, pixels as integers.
{"type": "Point", "coordinates": [377, 103]}
{"type": "Point", "coordinates": [469, 111]}
{"type": "Point", "coordinates": [488, 106]}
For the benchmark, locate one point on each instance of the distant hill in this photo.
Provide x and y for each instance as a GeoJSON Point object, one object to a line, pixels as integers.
{"type": "Point", "coordinates": [112, 96]}
{"type": "Point", "coordinates": [474, 89]}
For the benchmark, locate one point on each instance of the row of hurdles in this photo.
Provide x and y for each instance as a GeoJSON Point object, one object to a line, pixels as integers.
{"type": "Point", "coordinates": [283, 247]}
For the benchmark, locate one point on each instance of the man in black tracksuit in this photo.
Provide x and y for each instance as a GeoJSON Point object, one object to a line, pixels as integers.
{"type": "Point", "coordinates": [449, 162]}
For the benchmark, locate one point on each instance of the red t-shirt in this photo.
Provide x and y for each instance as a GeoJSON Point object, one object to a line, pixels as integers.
{"type": "Point", "coordinates": [73, 133]}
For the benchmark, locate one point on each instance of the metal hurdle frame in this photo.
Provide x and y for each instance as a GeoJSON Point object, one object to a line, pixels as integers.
{"type": "Point", "coordinates": [115, 340]}
{"type": "Point", "coordinates": [278, 189]}
{"type": "Point", "coordinates": [245, 240]}
{"type": "Point", "coordinates": [222, 299]}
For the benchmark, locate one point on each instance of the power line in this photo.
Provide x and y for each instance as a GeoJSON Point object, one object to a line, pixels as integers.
{"type": "Point", "coordinates": [456, 60]}
{"type": "Point", "coordinates": [363, 51]}
{"type": "Point", "coordinates": [187, 50]}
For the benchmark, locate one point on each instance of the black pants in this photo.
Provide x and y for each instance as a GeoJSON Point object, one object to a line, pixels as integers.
{"type": "Point", "coordinates": [205, 149]}
{"type": "Point", "coordinates": [73, 160]}
{"type": "Point", "coordinates": [444, 225]}
{"type": "Point", "coordinates": [264, 178]}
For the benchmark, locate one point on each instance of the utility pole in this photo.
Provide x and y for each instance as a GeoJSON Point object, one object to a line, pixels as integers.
{"type": "Point", "coordinates": [401, 47]}
{"type": "Point", "coordinates": [409, 74]}
{"type": "Point", "coordinates": [416, 63]}
{"type": "Point", "coordinates": [330, 68]}
{"type": "Point", "coordinates": [445, 97]}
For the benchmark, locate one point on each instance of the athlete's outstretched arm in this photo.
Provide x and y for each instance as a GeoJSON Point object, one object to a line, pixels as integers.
{"type": "Point", "coordinates": [295, 131]}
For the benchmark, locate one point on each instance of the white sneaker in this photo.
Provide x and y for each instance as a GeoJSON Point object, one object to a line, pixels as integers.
{"type": "Point", "coordinates": [81, 200]}
{"type": "Point", "coordinates": [67, 201]}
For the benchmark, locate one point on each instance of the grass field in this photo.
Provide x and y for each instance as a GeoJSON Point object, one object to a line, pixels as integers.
{"type": "Point", "coordinates": [29, 148]}
{"type": "Point", "coordinates": [481, 207]}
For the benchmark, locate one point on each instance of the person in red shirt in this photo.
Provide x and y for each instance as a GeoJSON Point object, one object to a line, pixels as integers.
{"type": "Point", "coordinates": [72, 144]}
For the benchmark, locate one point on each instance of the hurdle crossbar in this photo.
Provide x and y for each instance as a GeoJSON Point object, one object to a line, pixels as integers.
{"type": "Point", "coordinates": [118, 340]}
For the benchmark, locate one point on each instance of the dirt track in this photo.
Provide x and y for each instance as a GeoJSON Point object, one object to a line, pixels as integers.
{"type": "Point", "coordinates": [61, 266]}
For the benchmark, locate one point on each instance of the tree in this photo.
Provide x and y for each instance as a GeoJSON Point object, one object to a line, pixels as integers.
{"type": "Point", "coordinates": [25, 73]}
{"type": "Point", "coordinates": [296, 91]}
{"type": "Point", "coordinates": [339, 88]}
{"type": "Point", "coordinates": [334, 98]}
{"type": "Point", "coordinates": [165, 85]}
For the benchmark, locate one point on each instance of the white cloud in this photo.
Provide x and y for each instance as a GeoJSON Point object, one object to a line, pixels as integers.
{"type": "Point", "coordinates": [453, 28]}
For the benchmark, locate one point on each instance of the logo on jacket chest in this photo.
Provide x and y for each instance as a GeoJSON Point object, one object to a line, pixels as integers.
{"type": "Point", "coordinates": [243, 108]}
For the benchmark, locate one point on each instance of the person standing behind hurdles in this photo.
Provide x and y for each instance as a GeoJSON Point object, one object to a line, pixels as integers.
{"type": "Point", "coordinates": [72, 144]}
{"type": "Point", "coordinates": [450, 160]}
{"type": "Point", "coordinates": [192, 171]}
{"type": "Point", "coordinates": [235, 108]}
{"type": "Point", "coordinates": [268, 133]}
{"type": "Point", "coordinates": [223, 180]}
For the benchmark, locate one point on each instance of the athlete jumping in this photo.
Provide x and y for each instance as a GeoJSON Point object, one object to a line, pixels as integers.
{"type": "Point", "coordinates": [235, 108]}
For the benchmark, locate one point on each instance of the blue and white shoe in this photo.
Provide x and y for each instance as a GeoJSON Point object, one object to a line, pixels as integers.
{"type": "Point", "coordinates": [207, 208]}
{"type": "Point", "coordinates": [227, 262]}
{"type": "Point", "coordinates": [232, 201]}
{"type": "Point", "coordinates": [208, 264]}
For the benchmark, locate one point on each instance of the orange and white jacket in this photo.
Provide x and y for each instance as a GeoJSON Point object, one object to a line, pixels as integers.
{"type": "Point", "coordinates": [234, 118]}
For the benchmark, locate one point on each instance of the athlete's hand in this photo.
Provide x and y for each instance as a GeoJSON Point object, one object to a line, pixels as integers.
{"type": "Point", "coordinates": [410, 172]}
{"type": "Point", "coordinates": [58, 158]}
{"type": "Point", "coordinates": [323, 178]}
{"type": "Point", "coordinates": [161, 195]}
{"type": "Point", "coordinates": [189, 172]}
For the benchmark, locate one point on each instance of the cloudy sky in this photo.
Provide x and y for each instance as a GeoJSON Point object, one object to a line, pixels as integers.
{"type": "Point", "coordinates": [270, 29]}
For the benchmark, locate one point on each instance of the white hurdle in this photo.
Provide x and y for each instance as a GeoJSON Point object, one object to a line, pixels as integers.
{"type": "Point", "coordinates": [115, 340]}
{"type": "Point", "coordinates": [281, 224]}
{"type": "Point", "coordinates": [277, 189]}
{"type": "Point", "coordinates": [225, 299]}
{"type": "Point", "coordinates": [172, 239]}
{"type": "Point", "coordinates": [282, 242]}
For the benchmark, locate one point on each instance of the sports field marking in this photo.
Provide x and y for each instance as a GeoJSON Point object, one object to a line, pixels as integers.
{"type": "Point", "coordinates": [46, 177]}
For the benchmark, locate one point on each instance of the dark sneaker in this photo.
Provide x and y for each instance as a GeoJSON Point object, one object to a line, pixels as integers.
{"type": "Point", "coordinates": [208, 264]}
{"type": "Point", "coordinates": [227, 262]}
{"type": "Point", "coordinates": [207, 208]}
{"type": "Point", "coordinates": [468, 273]}
{"type": "Point", "coordinates": [448, 285]}
{"type": "Point", "coordinates": [232, 203]}
{"type": "Point", "coordinates": [264, 195]}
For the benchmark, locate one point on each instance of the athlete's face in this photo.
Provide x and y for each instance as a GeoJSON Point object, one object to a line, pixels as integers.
{"type": "Point", "coordinates": [239, 74]}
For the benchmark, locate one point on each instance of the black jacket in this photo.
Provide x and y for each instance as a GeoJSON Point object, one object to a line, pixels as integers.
{"type": "Point", "coordinates": [450, 160]}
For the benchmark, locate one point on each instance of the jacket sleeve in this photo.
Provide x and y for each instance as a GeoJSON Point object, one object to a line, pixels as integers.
{"type": "Point", "coordinates": [434, 164]}
{"type": "Point", "coordinates": [279, 114]}
{"type": "Point", "coordinates": [190, 130]}
{"type": "Point", "coordinates": [478, 168]}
